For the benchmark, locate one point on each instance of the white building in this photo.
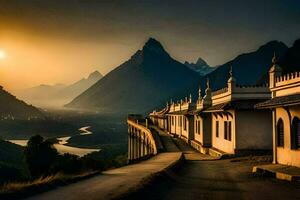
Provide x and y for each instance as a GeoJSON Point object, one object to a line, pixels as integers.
{"type": "Point", "coordinates": [180, 120]}
{"type": "Point", "coordinates": [237, 127]}
{"type": "Point", "coordinates": [202, 122]}
{"type": "Point", "coordinates": [159, 118]}
{"type": "Point", "coordinates": [285, 105]}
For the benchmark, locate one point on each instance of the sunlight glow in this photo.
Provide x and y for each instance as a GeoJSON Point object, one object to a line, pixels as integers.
{"type": "Point", "coordinates": [2, 54]}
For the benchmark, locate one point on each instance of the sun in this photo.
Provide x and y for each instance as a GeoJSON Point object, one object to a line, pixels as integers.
{"type": "Point", "coordinates": [2, 54]}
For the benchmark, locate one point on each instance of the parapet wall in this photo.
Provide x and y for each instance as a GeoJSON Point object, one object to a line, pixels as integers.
{"type": "Point", "coordinates": [240, 92]}
{"type": "Point", "coordinates": [286, 84]}
{"type": "Point", "coordinates": [141, 141]}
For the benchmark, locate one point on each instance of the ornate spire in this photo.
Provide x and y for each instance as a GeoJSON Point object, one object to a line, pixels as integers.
{"type": "Point", "coordinates": [274, 59]}
{"type": "Point", "coordinates": [190, 99]}
{"type": "Point", "coordinates": [207, 83]}
{"type": "Point", "coordinates": [231, 71]}
{"type": "Point", "coordinates": [275, 67]}
{"type": "Point", "coordinates": [207, 90]}
{"type": "Point", "coordinates": [207, 97]}
{"type": "Point", "coordinates": [231, 78]}
{"type": "Point", "coordinates": [199, 92]}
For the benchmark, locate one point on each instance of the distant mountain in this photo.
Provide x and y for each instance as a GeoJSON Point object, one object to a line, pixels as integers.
{"type": "Point", "coordinates": [200, 66]}
{"type": "Point", "coordinates": [248, 68]}
{"type": "Point", "coordinates": [290, 62]}
{"type": "Point", "coordinates": [148, 79]}
{"type": "Point", "coordinates": [80, 86]}
{"type": "Point", "coordinates": [13, 108]}
{"type": "Point", "coordinates": [59, 94]}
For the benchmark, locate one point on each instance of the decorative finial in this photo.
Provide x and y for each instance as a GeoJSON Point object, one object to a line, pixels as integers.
{"type": "Point", "coordinates": [274, 59]}
{"type": "Point", "coordinates": [231, 71]}
{"type": "Point", "coordinates": [207, 83]}
{"type": "Point", "coordinates": [199, 92]}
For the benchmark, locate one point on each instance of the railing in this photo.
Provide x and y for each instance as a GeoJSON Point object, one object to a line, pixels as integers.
{"type": "Point", "coordinates": [141, 142]}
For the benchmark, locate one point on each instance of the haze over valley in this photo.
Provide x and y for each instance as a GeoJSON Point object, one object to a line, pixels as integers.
{"type": "Point", "coordinates": [104, 95]}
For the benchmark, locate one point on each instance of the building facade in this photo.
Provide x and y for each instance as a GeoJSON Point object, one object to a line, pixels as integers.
{"type": "Point", "coordinates": [202, 122]}
{"type": "Point", "coordinates": [236, 126]}
{"type": "Point", "coordinates": [180, 120]}
{"type": "Point", "coordinates": [285, 106]}
{"type": "Point", "coordinates": [159, 118]}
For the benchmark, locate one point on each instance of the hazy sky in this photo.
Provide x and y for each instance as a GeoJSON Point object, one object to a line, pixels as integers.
{"type": "Point", "coordinates": [60, 41]}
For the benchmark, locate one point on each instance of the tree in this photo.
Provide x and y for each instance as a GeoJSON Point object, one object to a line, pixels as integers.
{"type": "Point", "coordinates": [40, 155]}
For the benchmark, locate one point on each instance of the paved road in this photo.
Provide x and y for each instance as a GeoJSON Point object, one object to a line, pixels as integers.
{"type": "Point", "coordinates": [112, 182]}
{"type": "Point", "coordinates": [204, 178]}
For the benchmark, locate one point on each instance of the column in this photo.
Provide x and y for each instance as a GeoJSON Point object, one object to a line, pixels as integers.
{"type": "Point", "coordinates": [143, 144]}
{"type": "Point", "coordinates": [274, 136]}
{"type": "Point", "coordinates": [129, 145]}
{"type": "Point", "coordinates": [134, 145]}
{"type": "Point", "coordinates": [138, 144]}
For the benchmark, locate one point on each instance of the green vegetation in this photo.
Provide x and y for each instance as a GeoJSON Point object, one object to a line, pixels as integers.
{"type": "Point", "coordinates": [40, 156]}
{"type": "Point", "coordinates": [12, 164]}
{"type": "Point", "coordinates": [39, 166]}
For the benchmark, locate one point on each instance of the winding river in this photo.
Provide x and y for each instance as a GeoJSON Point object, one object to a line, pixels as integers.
{"type": "Point", "coordinates": [62, 147]}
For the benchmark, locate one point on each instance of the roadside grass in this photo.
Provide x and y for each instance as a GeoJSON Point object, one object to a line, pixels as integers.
{"type": "Point", "coordinates": [18, 190]}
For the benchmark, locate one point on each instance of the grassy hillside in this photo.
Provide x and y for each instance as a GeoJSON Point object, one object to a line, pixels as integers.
{"type": "Point", "coordinates": [12, 164]}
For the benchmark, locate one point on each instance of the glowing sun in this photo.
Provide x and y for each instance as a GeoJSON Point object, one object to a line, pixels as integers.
{"type": "Point", "coordinates": [2, 54]}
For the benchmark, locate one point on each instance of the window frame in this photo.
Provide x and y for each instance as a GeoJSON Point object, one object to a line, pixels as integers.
{"type": "Point", "coordinates": [228, 130]}
{"type": "Point", "coordinates": [295, 134]}
{"type": "Point", "coordinates": [280, 133]}
{"type": "Point", "coordinates": [217, 128]}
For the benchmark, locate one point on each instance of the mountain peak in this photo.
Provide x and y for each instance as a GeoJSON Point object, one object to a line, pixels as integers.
{"type": "Point", "coordinates": [201, 62]}
{"type": "Point", "coordinates": [152, 45]}
{"type": "Point", "coordinates": [274, 44]}
{"type": "Point", "coordinates": [95, 75]}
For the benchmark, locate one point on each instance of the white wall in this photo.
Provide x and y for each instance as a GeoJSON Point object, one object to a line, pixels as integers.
{"type": "Point", "coordinates": [254, 129]}
{"type": "Point", "coordinates": [286, 155]}
{"type": "Point", "coordinates": [219, 142]}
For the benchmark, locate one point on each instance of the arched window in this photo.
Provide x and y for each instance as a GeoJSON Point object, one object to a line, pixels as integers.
{"type": "Point", "coordinates": [295, 137]}
{"type": "Point", "coordinates": [280, 133]}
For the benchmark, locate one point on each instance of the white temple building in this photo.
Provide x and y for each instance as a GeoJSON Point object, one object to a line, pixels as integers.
{"type": "Point", "coordinates": [285, 106]}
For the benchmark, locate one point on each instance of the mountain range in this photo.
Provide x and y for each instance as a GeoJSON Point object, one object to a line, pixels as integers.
{"type": "Point", "coordinates": [248, 68]}
{"type": "Point", "coordinates": [13, 108]}
{"type": "Point", "coordinates": [290, 62]}
{"type": "Point", "coordinates": [151, 77]}
{"type": "Point", "coordinates": [59, 94]}
{"type": "Point", "coordinates": [200, 66]}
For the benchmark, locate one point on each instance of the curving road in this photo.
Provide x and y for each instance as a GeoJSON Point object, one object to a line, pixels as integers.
{"type": "Point", "coordinates": [204, 178]}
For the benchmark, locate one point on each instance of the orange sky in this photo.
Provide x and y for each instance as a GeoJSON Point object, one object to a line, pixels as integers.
{"type": "Point", "coordinates": [62, 41]}
{"type": "Point", "coordinates": [31, 61]}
